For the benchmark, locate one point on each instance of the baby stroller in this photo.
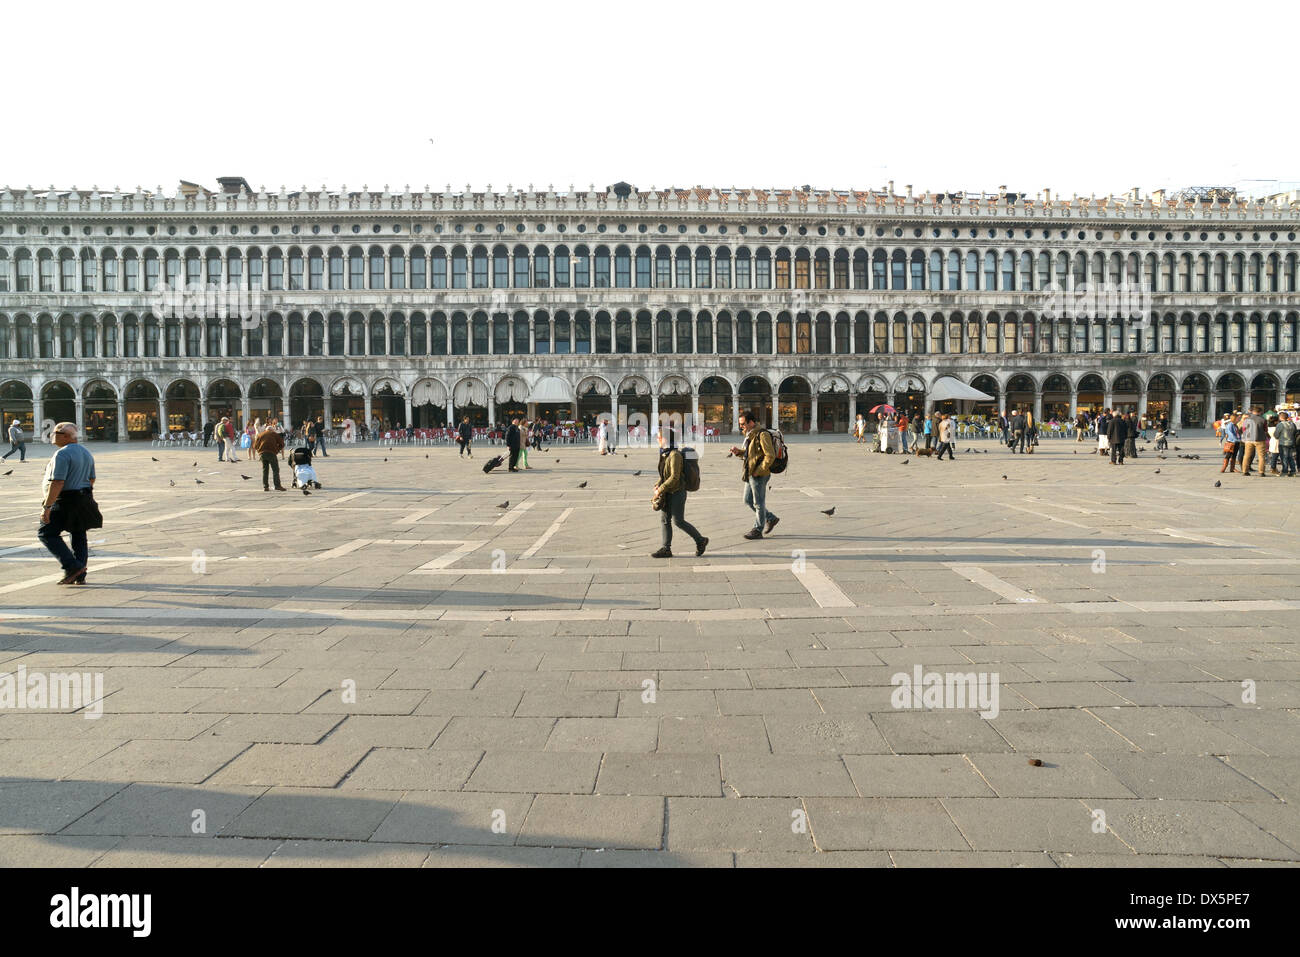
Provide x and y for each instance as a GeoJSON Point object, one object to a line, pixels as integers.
{"type": "Point", "coordinates": [304, 476]}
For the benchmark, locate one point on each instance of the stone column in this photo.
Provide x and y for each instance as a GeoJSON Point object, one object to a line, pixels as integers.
{"type": "Point", "coordinates": [813, 429]}
{"type": "Point", "coordinates": [1038, 407]}
{"type": "Point", "coordinates": [853, 409]}
{"type": "Point", "coordinates": [162, 414]}
{"type": "Point", "coordinates": [889, 398]}
{"type": "Point", "coordinates": [451, 409]}
{"type": "Point", "coordinates": [1142, 404]}
{"type": "Point", "coordinates": [1074, 402]}
{"type": "Point", "coordinates": [247, 409]}
{"type": "Point", "coordinates": [613, 413]}
{"type": "Point", "coordinates": [1176, 412]}
{"type": "Point", "coordinates": [695, 413]}
{"type": "Point", "coordinates": [121, 419]}
{"type": "Point", "coordinates": [80, 417]}
{"type": "Point", "coordinates": [407, 421]}
{"type": "Point", "coordinates": [654, 415]}
{"type": "Point", "coordinates": [365, 412]}
{"type": "Point", "coordinates": [329, 411]}
{"type": "Point", "coordinates": [1108, 398]}
{"type": "Point", "coordinates": [735, 410]}
{"type": "Point", "coordinates": [38, 413]}
{"type": "Point", "coordinates": [492, 409]}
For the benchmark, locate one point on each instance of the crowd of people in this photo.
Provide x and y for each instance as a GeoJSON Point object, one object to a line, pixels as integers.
{"type": "Point", "coordinates": [1251, 436]}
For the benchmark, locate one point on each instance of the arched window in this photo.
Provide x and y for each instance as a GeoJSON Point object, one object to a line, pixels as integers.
{"type": "Point", "coordinates": [563, 334]}
{"type": "Point", "coordinates": [936, 270]}
{"type": "Point", "coordinates": [954, 270]}
{"type": "Point", "coordinates": [704, 334]}
{"type": "Point", "coordinates": [521, 270]}
{"type": "Point", "coordinates": [703, 268]}
{"type": "Point", "coordinates": [1008, 270]}
{"type": "Point", "coordinates": [644, 267]}
{"type": "Point", "coordinates": [336, 268]}
{"type": "Point", "coordinates": [644, 338]}
{"type": "Point", "coordinates": [623, 334]}
{"type": "Point", "coordinates": [725, 345]}
{"type": "Point", "coordinates": [990, 270]}
{"type": "Point", "coordinates": [918, 270]}
{"type": "Point", "coordinates": [972, 270]}
{"type": "Point", "coordinates": [684, 331]}
{"type": "Point", "coordinates": [479, 273]}
{"type": "Point", "coordinates": [682, 278]}
{"type": "Point", "coordinates": [1026, 270]}
{"type": "Point", "coordinates": [480, 342]}
{"type": "Point", "coordinates": [337, 339]}
{"type": "Point", "coordinates": [419, 269]}
{"type": "Point", "coordinates": [315, 269]}
{"type": "Point", "coordinates": [581, 267]}
{"type": "Point", "coordinates": [663, 268]}
{"type": "Point", "coordinates": [397, 335]}
{"type": "Point", "coordinates": [937, 342]}
{"type": "Point", "coordinates": [622, 268]}
{"type": "Point", "coordinates": [722, 268]}
{"type": "Point", "coordinates": [744, 333]}
{"type": "Point", "coordinates": [89, 271]}
{"type": "Point", "coordinates": [396, 268]}
{"type": "Point", "coordinates": [459, 268]}
{"type": "Point", "coordinates": [763, 269]}
{"type": "Point", "coordinates": [356, 268]}
{"type": "Point", "coordinates": [561, 267]}
{"type": "Point", "coordinates": [601, 267]}
{"type": "Point", "coordinates": [542, 267]}
{"type": "Point", "coordinates": [879, 270]}
{"type": "Point", "coordinates": [663, 333]}
{"type": "Point", "coordinates": [376, 267]}
{"type": "Point", "coordinates": [459, 334]}
{"type": "Point", "coordinates": [763, 335]}
{"type": "Point", "coordinates": [522, 336]}
{"type": "Point", "coordinates": [501, 267]}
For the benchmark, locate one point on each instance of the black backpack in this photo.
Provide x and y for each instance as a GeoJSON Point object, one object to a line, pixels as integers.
{"type": "Point", "coordinates": [690, 469]}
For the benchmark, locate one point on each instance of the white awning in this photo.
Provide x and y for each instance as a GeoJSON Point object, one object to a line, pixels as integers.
{"type": "Point", "coordinates": [551, 389]}
{"type": "Point", "coordinates": [470, 392]}
{"type": "Point", "coordinates": [429, 392]}
{"type": "Point", "coordinates": [947, 387]}
{"type": "Point", "coordinates": [511, 389]}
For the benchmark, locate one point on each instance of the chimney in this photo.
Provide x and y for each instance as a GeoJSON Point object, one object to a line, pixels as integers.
{"type": "Point", "coordinates": [1158, 196]}
{"type": "Point", "coordinates": [234, 184]}
{"type": "Point", "coordinates": [891, 187]}
{"type": "Point", "coordinates": [1047, 195]}
{"type": "Point", "coordinates": [909, 190]}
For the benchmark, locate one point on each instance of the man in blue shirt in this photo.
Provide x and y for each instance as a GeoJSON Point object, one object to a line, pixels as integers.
{"type": "Point", "coordinates": [68, 504]}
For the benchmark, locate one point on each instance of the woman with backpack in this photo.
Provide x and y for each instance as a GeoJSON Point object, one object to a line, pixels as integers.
{"type": "Point", "coordinates": [669, 498]}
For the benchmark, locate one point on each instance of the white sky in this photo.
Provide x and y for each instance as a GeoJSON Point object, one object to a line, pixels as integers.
{"type": "Point", "coordinates": [1087, 97]}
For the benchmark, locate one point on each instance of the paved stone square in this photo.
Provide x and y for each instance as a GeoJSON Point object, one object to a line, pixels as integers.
{"type": "Point", "coordinates": [397, 670]}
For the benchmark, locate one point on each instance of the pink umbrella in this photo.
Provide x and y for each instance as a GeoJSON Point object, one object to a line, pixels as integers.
{"type": "Point", "coordinates": [884, 408]}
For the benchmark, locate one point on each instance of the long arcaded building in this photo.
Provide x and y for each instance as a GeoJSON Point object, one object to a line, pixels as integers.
{"type": "Point", "coordinates": [806, 305]}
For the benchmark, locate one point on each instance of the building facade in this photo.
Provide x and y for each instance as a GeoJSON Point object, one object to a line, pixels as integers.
{"type": "Point", "coordinates": [804, 305]}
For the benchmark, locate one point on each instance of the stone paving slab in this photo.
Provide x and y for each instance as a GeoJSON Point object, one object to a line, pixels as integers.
{"type": "Point", "coordinates": [353, 684]}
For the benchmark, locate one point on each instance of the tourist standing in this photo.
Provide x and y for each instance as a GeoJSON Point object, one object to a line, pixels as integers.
{"type": "Point", "coordinates": [68, 504]}
{"type": "Point", "coordinates": [1116, 435]}
{"type": "Point", "coordinates": [513, 441]}
{"type": "Point", "coordinates": [860, 428]}
{"type": "Point", "coordinates": [669, 496]}
{"type": "Point", "coordinates": [1228, 435]}
{"type": "Point", "coordinates": [757, 458]}
{"type": "Point", "coordinates": [1254, 436]}
{"type": "Point", "coordinates": [1285, 432]}
{"type": "Point", "coordinates": [464, 436]}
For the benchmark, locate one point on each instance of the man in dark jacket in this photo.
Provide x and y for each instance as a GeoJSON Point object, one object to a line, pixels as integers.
{"type": "Point", "coordinates": [207, 433]}
{"type": "Point", "coordinates": [464, 435]}
{"type": "Point", "coordinates": [1018, 425]}
{"type": "Point", "coordinates": [1130, 443]}
{"type": "Point", "coordinates": [1117, 435]}
{"type": "Point", "coordinates": [320, 437]}
{"type": "Point", "coordinates": [513, 443]}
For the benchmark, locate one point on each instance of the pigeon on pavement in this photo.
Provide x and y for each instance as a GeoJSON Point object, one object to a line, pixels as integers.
{"type": "Point", "coordinates": [829, 511]}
